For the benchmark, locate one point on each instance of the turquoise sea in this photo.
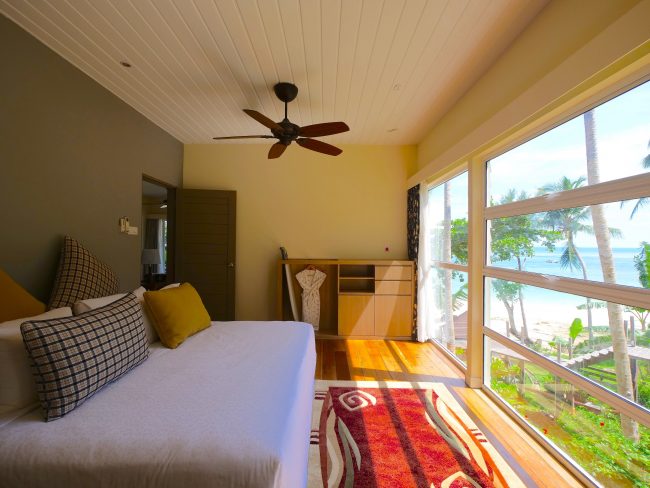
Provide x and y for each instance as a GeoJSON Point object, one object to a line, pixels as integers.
{"type": "Point", "coordinates": [546, 262]}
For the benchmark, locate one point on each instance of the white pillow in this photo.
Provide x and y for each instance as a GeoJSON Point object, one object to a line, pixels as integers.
{"type": "Point", "coordinates": [17, 387]}
{"type": "Point", "coordinates": [89, 304]}
{"type": "Point", "coordinates": [172, 285]}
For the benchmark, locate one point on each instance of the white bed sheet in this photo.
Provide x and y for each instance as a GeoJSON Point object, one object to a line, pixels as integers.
{"type": "Point", "coordinates": [230, 407]}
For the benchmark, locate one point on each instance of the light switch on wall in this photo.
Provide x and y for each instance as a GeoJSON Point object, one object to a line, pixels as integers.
{"type": "Point", "coordinates": [125, 227]}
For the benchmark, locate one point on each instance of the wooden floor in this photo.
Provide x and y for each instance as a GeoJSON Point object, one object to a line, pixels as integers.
{"type": "Point", "coordinates": [339, 359]}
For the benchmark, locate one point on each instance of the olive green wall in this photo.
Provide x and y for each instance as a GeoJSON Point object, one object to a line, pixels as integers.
{"type": "Point", "coordinates": [72, 157]}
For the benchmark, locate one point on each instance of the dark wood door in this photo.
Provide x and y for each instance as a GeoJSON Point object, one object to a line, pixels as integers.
{"type": "Point", "coordinates": [205, 247]}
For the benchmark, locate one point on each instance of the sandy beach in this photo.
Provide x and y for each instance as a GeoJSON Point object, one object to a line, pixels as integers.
{"type": "Point", "coordinates": [547, 321]}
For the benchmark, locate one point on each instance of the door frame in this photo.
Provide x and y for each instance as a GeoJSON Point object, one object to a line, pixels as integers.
{"type": "Point", "coordinates": [171, 224]}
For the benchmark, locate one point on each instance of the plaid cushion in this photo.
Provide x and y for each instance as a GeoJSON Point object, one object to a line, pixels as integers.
{"type": "Point", "coordinates": [81, 275]}
{"type": "Point", "coordinates": [73, 357]}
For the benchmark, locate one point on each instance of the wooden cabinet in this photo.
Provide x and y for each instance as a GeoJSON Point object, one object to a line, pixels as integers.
{"type": "Point", "coordinates": [393, 316]}
{"type": "Point", "coordinates": [356, 315]}
{"type": "Point", "coordinates": [359, 298]}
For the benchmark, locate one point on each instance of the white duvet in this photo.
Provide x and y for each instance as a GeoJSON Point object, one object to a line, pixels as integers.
{"type": "Point", "coordinates": [230, 407]}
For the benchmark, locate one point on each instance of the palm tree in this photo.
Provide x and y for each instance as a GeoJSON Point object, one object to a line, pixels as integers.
{"type": "Point", "coordinates": [624, 383]}
{"type": "Point", "coordinates": [641, 202]}
{"type": "Point", "coordinates": [569, 222]}
{"type": "Point", "coordinates": [642, 266]}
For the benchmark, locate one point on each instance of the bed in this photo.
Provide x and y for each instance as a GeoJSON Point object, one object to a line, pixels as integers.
{"type": "Point", "coordinates": [230, 407]}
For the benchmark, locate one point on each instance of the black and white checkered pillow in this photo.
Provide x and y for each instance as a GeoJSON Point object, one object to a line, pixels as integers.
{"type": "Point", "coordinates": [73, 357]}
{"type": "Point", "coordinates": [80, 276]}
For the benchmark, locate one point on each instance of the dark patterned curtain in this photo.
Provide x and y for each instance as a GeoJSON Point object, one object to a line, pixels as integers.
{"type": "Point", "coordinates": [413, 241]}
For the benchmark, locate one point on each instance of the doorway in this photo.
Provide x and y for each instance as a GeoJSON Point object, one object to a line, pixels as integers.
{"type": "Point", "coordinates": [158, 230]}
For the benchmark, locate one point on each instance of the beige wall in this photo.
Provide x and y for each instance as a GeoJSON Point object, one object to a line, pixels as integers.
{"type": "Point", "coordinates": [349, 206]}
{"type": "Point", "coordinates": [568, 42]}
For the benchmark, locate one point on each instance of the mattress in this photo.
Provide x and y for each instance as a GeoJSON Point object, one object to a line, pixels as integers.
{"type": "Point", "coordinates": [230, 407]}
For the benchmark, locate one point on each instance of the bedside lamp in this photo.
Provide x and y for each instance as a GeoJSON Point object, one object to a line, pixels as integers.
{"type": "Point", "coordinates": [149, 258]}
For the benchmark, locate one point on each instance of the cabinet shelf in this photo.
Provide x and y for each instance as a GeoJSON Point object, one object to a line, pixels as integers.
{"type": "Point", "coordinates": [356, 277]}
{"type": "Point", "coordinates": [357, 286]}
{"type": "Point", "coordinates": [356, 271]}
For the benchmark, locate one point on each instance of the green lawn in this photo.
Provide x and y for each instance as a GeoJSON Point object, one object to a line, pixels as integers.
{"type": "Point", "coordinates": [586, 429]}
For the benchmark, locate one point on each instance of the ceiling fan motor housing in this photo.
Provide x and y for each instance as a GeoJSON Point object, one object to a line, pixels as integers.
{"type": "Point", "coordinates": [285, 91]}
{"type": "Point", "coordinates": [289, 133]}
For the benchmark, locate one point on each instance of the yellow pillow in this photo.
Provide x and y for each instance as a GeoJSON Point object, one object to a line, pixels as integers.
{"type": "Point", "coordinates": [15, 301]}
{"type": "Point", "coordinates": [177, 313]}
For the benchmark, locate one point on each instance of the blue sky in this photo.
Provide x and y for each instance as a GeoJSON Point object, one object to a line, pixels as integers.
{"type": "Point", "coordinates": [622, 133]}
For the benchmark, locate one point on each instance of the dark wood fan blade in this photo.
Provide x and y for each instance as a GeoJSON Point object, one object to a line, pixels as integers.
{"type": "Point", "coordinates": [244, 137]}
{"type": "Point", "coordinates": [319, 146]}
{"type": "Point", "coordinates": [325, 129]}
{"type": "Point", "coordinates": [263, 119]}
{"type": "Point", "coordinates": [276, 150]}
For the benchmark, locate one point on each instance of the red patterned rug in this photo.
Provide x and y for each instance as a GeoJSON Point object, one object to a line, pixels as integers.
{"type": "Point", "coordinates": [393, 434]}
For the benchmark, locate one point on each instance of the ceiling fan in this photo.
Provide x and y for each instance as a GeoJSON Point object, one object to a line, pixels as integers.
{"type": "Point", "coordinates": [286, 132]}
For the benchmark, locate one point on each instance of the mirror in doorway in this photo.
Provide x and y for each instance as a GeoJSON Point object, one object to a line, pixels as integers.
{"type": "Point", "coordinates": [154, 245]}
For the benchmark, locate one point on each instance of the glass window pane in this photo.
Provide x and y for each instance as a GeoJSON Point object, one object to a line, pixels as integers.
{"type": "Point", "coordinates": [563, 243]}
{"type": "Point", "coordinates": [587, 430]}
{"type": "Point", "coordinates": [450, 310]}
{"type": "Point", "coordinates": [621, 133]}
{"type": "Point", "coordinates": [575, 332]}
{"type": "Point", "coordinates": [448, 214]}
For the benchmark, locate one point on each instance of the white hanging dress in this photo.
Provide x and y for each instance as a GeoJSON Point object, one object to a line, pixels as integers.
{"type": "Point", "coordinates": [311, 280]}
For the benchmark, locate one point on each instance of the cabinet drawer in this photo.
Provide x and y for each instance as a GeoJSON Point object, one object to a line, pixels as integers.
{"type": "Point", "coordinates": [392, 287]}
{"type": "Point", "coordinates": [397, 273]}
{"type": "Point", "coordinates": [356, 315]}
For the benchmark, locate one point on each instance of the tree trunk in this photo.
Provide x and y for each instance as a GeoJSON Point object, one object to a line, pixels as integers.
{"type": "Point", "coordinates": [446, 256]}
{"type": "Point", "coordinates": [624, 383]}
{"type": "Point", "coordinates": [590, 322]}
{"type": "Point", "coordinates": [525, 338]}
{"type": "Point", "coordinates": [511, 318]}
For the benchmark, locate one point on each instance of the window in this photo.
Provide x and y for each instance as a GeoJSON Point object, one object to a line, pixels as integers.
{"type": "Point", "coordinates": [581, 425]}
{"type": "Point", "coordinates": [567, 288]}
{"type": "Point", "coordinates": [563, 242]}
{"type": "Point", "coordinates": [448, 221]}
{"type": "Point", "coordinates": [621, 130]}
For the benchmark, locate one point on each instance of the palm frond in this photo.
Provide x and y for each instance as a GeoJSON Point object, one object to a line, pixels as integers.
{"type": "Point", "coordinates": [569, 258]}
{"type": "Point", "coordinates": [587, 229]}
{"type": "Point", "coordinates": [641, 202]}
{"type": "Point", "coordinates": [459, 298]}
{"type": "Point", "coordinates": [615, 233]}
{"type": "Point", "coordinates": [594, 304]}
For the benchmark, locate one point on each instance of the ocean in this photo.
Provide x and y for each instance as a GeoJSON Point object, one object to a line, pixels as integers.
{"type": "Point", "coordinates": [547, 306]}
{"type": "Point", "coordinates": [546, 262]}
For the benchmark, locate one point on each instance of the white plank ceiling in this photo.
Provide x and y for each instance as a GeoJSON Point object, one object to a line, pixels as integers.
{"type": "Point", "coordinates": [388, 68]}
